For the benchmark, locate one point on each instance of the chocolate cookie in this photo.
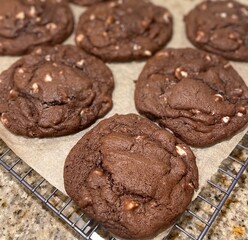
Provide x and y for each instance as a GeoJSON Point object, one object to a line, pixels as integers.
{"type": "Point", "coordinates": [124, 30]}
{"type": "Point", "coordinates": [220, 27]}
{"type": "Point", "coordinates": [27, 24]}
{"type": "Point", "coordinates": [199, 96]}
{"type": "Point", "coordinates": [130, 175]}
{"type": "Point", "coordinates": [54, 91]}
{"type": "Point", "coordinates": [86, 2]}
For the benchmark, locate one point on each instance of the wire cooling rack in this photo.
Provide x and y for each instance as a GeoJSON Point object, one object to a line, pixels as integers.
{"type": "Point", "coordinates": [193, 224]}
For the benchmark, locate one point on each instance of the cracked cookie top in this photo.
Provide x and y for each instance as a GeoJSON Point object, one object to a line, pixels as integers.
{"type": "Point", "coordinates": [54, 91]}
{"type": "Point", "coordinates": [220, 27]}
{"type": "Point", "coordinates": [124, 30]}
{"type": "Point", "coordinates": [25, 24]}
{"type": "Point", "coordinates": [199, 96]}
{"type": "Point", "coordinates": [130, 175]}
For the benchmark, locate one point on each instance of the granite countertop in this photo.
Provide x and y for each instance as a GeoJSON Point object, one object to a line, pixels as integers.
{"type": "Point", "coordinates": [22, 216]}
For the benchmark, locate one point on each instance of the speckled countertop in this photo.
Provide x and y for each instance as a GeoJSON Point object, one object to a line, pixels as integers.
{"type": "Point", "coordinates": [23, 217]}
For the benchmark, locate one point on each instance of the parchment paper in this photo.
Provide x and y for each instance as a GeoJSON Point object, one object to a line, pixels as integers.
{"type": "Point", "coordinates": [47, 156]}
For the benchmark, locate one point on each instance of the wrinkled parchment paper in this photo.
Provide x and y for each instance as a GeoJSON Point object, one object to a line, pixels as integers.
{"type": "Point", "coordinates": [47, 156]}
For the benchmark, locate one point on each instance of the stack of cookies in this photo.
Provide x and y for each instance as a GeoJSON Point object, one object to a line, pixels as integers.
{"type": "Point", "coordinates": [134, 174]}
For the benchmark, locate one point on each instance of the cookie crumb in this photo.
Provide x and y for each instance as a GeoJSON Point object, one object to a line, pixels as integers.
{"type": "Point", "coordinates": [153, 204]}
{"type": "Point", "coordinates": [208, 58]}
{"type": "Point", "coordinates": [38, 51]}
{"type": "Point", "coordinates": [191, 185]}
{"type": "Point", "coordinates": [199, 36]}
{"type": "Point", "coordinates": [130, 205]}
{"type": "Point", "coordinates": [136, 47]}
{"type": "Point", "coordinates": [242, 109]}
{"type": "Point", "coordinates": [166, 17]}
{"type": "Point", "coordinates": [218, 98]}
{"type": "Point", "coordinates": [231, 36]}
{"type": "Point", "coordinates": [196, 111]}
{"type": "Point", "coordinates": [20, 15]}
{"type": "Point", "coordinates": [32, 11]}
{"type": "Point", "coordinates": [160, 54]}
{"type": "Point", "coordinates": [80, 38]}
{"type": "Point", "coordinates": [147, 53]}
{"type": "Point", "coordinates": [4, 120]}
{"type": "Point", "coordinates": [80, 63]}
{"type": "Point", "coordinates": [181, 151]}
{"type": "Point", "coordinates": [51, 26]}
{"type": "Point", "coordinates": [238, 91]}
{"type": "Point", "coordinates": [105, 34]}
{"type": "Point", "coordinates": [226, 119]}
{"type": "Point", "coordinates": [13, 93]}
{"type": "Point", "coordinates": [82, 112]}
{"type": "Point", "coordinates": [48, 78]}
{"type": "Point", "coordinates": [139, 137]}
{"type": "Point", "coordinates": [227, 65]}
{"type": "Point", "coordinates": [223, 15]}
{"type": "Point", "coordinates": [87, 199]}
{"type": "Point", "coordinates": [38, 19]}
{"type": "Point", "coordinates": [20, 70]}
{"type": "Point", "coordinates": [180, 73]}
{"type": "Point", "coordinates": [35, 87]}
{"type": "Point", "coordinates": [92, 17]}
{"type": "Point", "coordinates": [98, 172]}
{"type": "Point", "coordinates": [48, 58]}
{"type": "Point", "coordinates": [109, 20]}
{"type": "Point", "coordinates": [184, 74]}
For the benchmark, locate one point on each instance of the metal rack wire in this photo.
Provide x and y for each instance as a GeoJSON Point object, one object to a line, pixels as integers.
{"type": "Point", "coordinates": [230, 170]}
